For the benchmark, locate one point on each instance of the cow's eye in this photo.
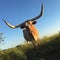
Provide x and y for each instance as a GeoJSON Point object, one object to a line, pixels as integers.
{"type": "Point", "coordinates": [34, 22]}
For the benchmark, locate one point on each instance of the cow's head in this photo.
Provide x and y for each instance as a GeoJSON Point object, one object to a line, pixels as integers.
{"type": "Point", "coordinates": [30, 32]}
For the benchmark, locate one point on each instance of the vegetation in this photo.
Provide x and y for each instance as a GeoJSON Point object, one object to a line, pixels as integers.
{"type": "Point", "coordinates": [1, 37]}
{"type": "Point", "coordinates": [48, 49]}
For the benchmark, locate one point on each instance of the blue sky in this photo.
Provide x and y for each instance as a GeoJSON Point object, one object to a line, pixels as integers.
{"type": "Point", "coordinates": [18, 11]}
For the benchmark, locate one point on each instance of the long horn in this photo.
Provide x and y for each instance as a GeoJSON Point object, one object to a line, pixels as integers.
{"type": "Point", "coordinates": [41, 13]}
{"type": "Point", "coordinates": [11, 26]}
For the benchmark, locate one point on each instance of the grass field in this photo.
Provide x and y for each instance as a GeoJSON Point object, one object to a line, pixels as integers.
{"type": "Point", "coordinates": [48, 49]}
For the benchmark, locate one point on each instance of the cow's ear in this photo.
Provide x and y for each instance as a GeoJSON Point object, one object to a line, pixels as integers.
{"type": "Point", "coordinates": [34, 22]}
{"type": "Point", "coordinates": [22, 27]}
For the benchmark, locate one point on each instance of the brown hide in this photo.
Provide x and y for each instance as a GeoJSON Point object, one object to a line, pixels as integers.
{"type": "Point", "coordinates": [30, 32]}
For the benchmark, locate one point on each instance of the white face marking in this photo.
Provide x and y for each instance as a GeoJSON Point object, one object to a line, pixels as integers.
{"type": "Point", "coordinates": [26, 24]}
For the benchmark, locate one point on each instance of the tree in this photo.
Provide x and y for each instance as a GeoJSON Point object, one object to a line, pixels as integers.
{"type": "Point", "coordinates": [1, 37]}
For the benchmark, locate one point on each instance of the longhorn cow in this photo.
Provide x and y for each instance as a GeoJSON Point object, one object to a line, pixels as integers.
{"type": "Point", "coordinates": [29, 31]}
